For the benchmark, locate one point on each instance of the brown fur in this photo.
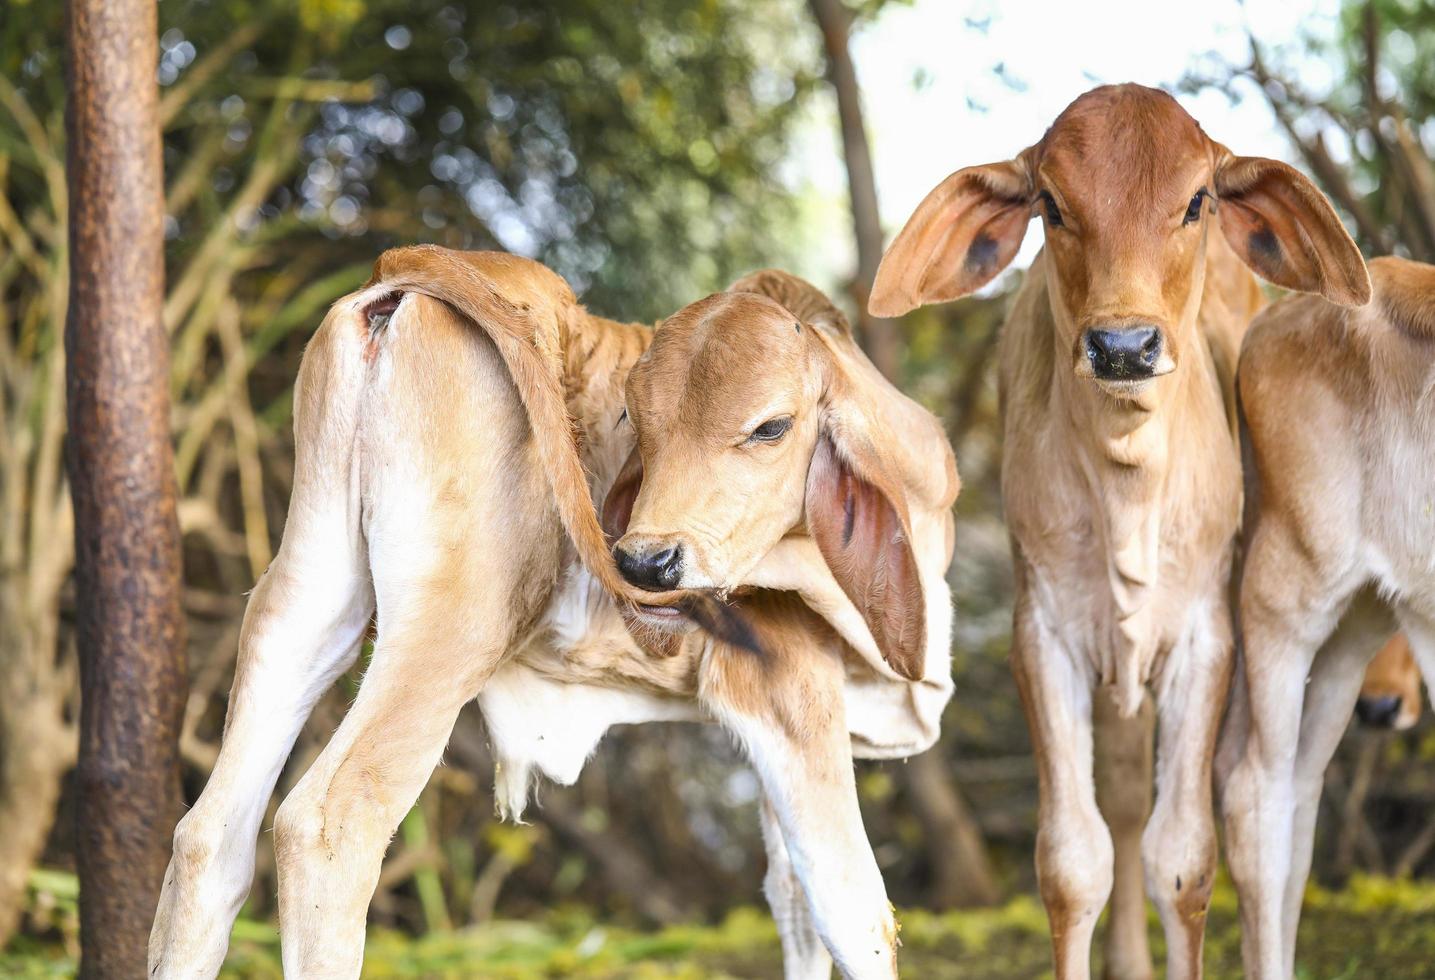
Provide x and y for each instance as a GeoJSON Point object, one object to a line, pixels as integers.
{"type": "Point", "coordinates": [456, 421]}
{"type": "Point", "coordinates": [1122, 497]}
{"type": "Point", "coordinates": [840, 473]}
{"type": "Point", "coordinates": [533, 319]}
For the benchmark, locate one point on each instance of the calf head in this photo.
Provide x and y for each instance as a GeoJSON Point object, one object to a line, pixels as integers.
{"type": "Point", "coordinates": [1390, 693]}
{"type": "Point", "coordinates": [1127, 185]}
{"type": "Point", "coordinates": [750, 427]}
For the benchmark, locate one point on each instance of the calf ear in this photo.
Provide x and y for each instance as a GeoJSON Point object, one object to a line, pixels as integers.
{"type": "Point", "coordinates": [618, 505]}
{"type": "Point", "coordinates": [1283, 227]}
{"type": "Point", "coordinates": [860, 525]}
{"type": "Point", "coordinates": [617, 512]}
{"type": "Point", "coordinates": [962, 234]}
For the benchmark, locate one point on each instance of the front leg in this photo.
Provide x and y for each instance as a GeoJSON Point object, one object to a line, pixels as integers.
{"type": "Point", "coordinates": [785, 706]}
{"type": "Point", "coordinates": [1330, 695]}
{"type": "Point", "coordinates": [1074, 857]}
{"type": "Point", "coordinates": [803, 955]}
{"type": "Point", "coordinates": [1123, 771]}
{"type": "Point", "coordinates": [1179, 845]}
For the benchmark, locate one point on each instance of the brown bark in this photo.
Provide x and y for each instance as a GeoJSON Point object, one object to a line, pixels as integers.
{"type": "Point", "coordinates": [879, 336]}
{"type": "Point", "coordinates": [961, 874]}
{"type": "Point", "coordinates": [127, 568]}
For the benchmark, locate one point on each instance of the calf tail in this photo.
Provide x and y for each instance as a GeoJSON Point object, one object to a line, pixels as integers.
{"type": "Point", "coordinates": [524, 309]}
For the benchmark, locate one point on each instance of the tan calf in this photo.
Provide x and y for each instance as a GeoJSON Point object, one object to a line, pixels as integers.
{"type": "Point", "coordinates": [1340, 409]}
{"type": "Point", "coordinates": [1121, 476]}
{"type": "Point", "coordinates": [436, 476]}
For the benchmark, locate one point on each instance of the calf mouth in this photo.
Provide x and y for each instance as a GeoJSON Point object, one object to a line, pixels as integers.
{"type": "Point", "coordinates": [703, 609]}
{"type": "Point", "coordinates": [671, 619]}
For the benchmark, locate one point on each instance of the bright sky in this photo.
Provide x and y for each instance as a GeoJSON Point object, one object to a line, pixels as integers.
{"type": "Point", "coordinates": [927, 76]}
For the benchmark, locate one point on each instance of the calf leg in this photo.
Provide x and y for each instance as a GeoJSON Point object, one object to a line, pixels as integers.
{"type": "Point", "coordinates": [1073, 846]}
{"type": "Point", "coordinates": [1179, 846]}
{"type": "Point", "coordinates": [331, 832]}
{"type": "Point", "coordinates": [1289, 606]}
{"type": "Point", "coordinates": [1419, 629]}
{"type": "Point", "coordinates": [1330, 697]}
{"type": "Point", "coordinates": [786, 708]}
{"type": "Point", "coordinates": [803, 955]}
{"type": "Point", "coordinates": [1123, 794]}
{"type": "Point", "coordinates": [302, 628]}
{"type": "Point", "coordinates": [464, 547]}
{"type": "Point", "coordinates": [453, 591]}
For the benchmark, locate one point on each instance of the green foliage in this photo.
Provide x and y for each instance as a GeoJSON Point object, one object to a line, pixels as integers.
{"type": "Point", "coordinates": [1376, 927]}
{"type": "Point", "coordinates": [630, 146]}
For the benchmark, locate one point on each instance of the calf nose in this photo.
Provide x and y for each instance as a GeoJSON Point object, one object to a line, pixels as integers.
{"type": "Point", "coordinates": [1125, 354]}
{"type": "Point", "coordinates": [656, 569]}
{"type": "Point", "coordinates": [1378, 712]}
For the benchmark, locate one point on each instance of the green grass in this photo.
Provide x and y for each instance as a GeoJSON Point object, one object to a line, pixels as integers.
{"type": "Point", "coordinates": [1373, 928]}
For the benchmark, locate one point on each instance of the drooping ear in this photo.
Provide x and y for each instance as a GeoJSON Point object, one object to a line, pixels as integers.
{"type": "Point", "coordinates": [962, 234]}
{"type": "Point", "coordinates": [617, 512]}
{"type": "Point", "coordinates": [618, 505]}
{"type": "Point", "coordinates": [861, 528]}
{"type": "Point", "coordinates": [1283, 227]}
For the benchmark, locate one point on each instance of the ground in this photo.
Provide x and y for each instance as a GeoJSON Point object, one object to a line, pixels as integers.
{"type": "Point", "coordinates": [1372, 928]}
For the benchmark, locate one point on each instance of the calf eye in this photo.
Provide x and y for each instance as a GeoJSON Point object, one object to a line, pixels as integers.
{"type": "Point", "coordinates": [1053, 213]}
{"type": "Point", "coordinates": [771, 430]}
{"type": "Point", "coordinates": [1193, 210]}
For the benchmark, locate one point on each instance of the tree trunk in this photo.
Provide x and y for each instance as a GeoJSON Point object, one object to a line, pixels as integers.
{"type": "Point", "coordinates": [961, 874]}
{"type": "Point", "coordinates": [878, 335]}
{"type": "Point", "coordinates": [127, 569]}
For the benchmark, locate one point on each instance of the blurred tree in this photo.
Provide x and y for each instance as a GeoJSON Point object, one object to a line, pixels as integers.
{"type": "Point", "coordinates": [835, 20]}
{"type": "Point", "coordinates": [1367, 139]}
{"type": "Point", "coordinates": [960, 871]}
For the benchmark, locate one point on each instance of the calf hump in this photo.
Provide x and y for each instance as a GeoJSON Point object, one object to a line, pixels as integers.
{"type": "Point", "coordinates": [1405, 291]}
{"type": "Point", "coordinates": [798, 296]}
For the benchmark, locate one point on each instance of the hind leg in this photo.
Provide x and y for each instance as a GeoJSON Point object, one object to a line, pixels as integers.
{"type": "Point", "coordinates": [331, 832]}
{"type": "Point", "coordinates": [1330, 695]}
{"type": "Point", "coordinates": [302, 628]}
{"type": "Point", "coordinates": [442, 633]}
{"type": "Point", "coordinates": [464, 548]}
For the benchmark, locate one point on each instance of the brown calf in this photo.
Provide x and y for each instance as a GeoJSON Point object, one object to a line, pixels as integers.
{"type": "Point", "coordinates": [436, 474]}
{"type": "Point", "coordinates": [1121, 477]}
{"type": "Point", "coordinates": [1340, 410]}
